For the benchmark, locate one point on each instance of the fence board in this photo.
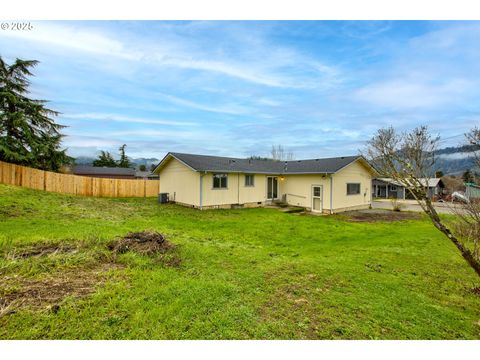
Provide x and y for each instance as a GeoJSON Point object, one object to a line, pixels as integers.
{"type": "Point", "coordinates": [73, 184]}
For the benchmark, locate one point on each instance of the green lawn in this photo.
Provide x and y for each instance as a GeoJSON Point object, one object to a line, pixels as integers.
{"type": "Point", "coordinates": [244, 274]}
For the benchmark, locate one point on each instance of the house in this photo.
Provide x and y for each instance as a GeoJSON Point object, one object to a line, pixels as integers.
{"type": "Point", "coordinates": [472, 191]}
{"type": "Point", "coordinates": [104, 172]}
{"type": "Point", "coordinates": [147, 175]}
{"type": "Point", "coordinates": [320, 185]}
{"type": "Point", "coordinates": [389, 188]}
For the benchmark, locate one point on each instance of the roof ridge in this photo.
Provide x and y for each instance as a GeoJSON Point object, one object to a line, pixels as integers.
{"type": "Point", "coordinates": [266, 159]}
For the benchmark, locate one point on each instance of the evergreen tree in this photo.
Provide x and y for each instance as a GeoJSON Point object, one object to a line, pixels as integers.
{"type": "Point", "coordinates": [105, 159]}
{"type": "Point", "coordinates": [142, 167]}
{"type": "Point", "coordinates": [123, 162]}
{"type": "Point", "coordinates": [467, 177]}
{"type": "Point", "coordinates": [28, 134]}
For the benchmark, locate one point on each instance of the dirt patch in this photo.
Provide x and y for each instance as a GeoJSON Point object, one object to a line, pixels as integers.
{"type": "Point", "coordinates": [149, 243]}
{"type": "Point", "coordinates": [50, 291]}
{"type": "Point", "coordinates": [41, 249]}
{"type": "Point", "coordinates": [378, 215]}
{"type": "Point", "coordinates": [476, 290]}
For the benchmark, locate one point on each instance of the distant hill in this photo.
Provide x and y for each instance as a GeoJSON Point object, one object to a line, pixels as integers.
{"type": "Point", "coordinates": [455, 160]}
{"type": "Point", "coordinates": [86, 160]}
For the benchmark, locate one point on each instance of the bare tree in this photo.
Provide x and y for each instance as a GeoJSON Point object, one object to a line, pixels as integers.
{"type": "Point", "coordinates": [408, 158]}
{"type": "Point", "coordinates": [473, 138]}
{"type": "Point", "coordinates": [279, 153]}
{"type": "Point", "coordinates": [468, 226]}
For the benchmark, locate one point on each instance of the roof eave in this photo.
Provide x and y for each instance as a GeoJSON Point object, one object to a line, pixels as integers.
{"type": "Point", "coordinates": [166, 158]}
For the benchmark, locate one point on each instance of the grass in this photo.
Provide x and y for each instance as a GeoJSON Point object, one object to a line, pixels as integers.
{"type": "Point", "coordinates": [244, 274]}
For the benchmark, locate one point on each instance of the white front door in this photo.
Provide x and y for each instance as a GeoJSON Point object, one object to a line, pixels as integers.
{"type": "Point", "coordinates": [317, 202]}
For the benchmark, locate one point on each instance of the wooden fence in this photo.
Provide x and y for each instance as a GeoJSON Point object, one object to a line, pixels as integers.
{"type": "Point", "coordinates": [74, 184]}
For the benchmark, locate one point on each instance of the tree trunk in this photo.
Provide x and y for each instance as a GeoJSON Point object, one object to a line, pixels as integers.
{"type": "Point", "coordinates": [466, 253]}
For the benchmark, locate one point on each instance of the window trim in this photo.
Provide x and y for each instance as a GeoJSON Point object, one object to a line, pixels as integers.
{"type": "Point", "coordinates": [220, 183]}
{"type": "Point", "coordinates": [359, 189]}
{"type": "Point", "coordinates": [253, 180]}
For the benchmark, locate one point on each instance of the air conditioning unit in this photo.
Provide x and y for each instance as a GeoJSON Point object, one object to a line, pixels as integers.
{"type": "Point", "coordinates": [163, 198]}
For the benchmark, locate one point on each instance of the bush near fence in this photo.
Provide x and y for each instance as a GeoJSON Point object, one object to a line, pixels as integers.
{"type": "Point", "coordinates": [73, 184]}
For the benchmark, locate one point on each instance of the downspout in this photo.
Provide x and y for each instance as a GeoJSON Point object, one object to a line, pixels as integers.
{"type": "Point", "coordinates": [201, 190]}
{"type": "Point", "coordinates": [331, 193]}
{"type": "Point", "coordinates": [238, 188]}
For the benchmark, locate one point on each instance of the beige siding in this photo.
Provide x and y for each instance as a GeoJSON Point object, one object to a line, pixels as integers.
{"type": "Point", "coordinates": [180, 182]}
{"type": "Point", "coordinates": [353, 173]}
{"type": "Point", "coordinates": [236, 193]}
{"type": "Point", "coordinates": [298, 189]}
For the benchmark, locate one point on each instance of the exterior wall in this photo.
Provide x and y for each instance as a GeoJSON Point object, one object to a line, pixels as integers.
{"type": "Point", "coordinates": [181, 183]}
{"type": "Point", "coordinates": [297, 189]}
{"type": "Point", "coordinates": [236, 191]}
{"type": "Point", "coordinates": [353, 173]}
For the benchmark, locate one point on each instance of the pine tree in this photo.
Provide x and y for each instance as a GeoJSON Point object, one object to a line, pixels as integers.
{"type": "Point", "coordinates": [105, 159]}
{"type": "Point", "coordinates": [28, 134]}
{"type": "Point", "coordinates": [123, 162]}
{"type": "Point", "coordinates": [467, 176]}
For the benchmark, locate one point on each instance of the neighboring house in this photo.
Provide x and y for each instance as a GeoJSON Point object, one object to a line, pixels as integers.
{"type": "Point", "coordinates": [104, 172]}
{"type": "Point", "coordinates": [472, 191]}
{"type": "Point", "coordinates": [145, 175]}
{"type": "Point", "coordinates": [389, 188]}
{"type": "Point", "coordinates": [320, 185]}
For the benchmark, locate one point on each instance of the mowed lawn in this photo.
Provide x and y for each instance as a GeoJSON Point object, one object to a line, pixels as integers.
{"type": "Point", "coordinates": [244, 274]}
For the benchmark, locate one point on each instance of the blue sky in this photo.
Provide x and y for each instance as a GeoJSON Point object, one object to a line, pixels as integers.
{"type": "Point", "coordinates": [319, 88]}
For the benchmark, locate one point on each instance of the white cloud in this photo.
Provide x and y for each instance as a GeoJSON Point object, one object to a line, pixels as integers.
{"type": "Point", "coordinates": [125, 119]}
{"type": "Point", "coordinates": [412, 93]}
{"type": "Point", "coordinates": [85, 141]}
{"type": "Point", "coordinates": [73, 37]}
{"type": "Point", "coordinates": [180, 53]}
{"type": "Point", "coordinates": [232, 109]}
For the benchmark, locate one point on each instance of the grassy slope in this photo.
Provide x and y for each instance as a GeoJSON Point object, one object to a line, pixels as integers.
{"type": "Point", "coordinates": [253, 273]}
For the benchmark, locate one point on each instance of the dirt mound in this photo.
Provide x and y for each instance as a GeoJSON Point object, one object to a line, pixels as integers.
{"type": "Point", "coordinates": [149, 243]}
{"type": "Point", "coordinates": [144, 242]}
{"type": "Point", "coordinates": [379, 215]}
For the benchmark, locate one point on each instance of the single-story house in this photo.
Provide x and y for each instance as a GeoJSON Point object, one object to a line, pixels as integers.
{"type": "Point", "coordinates": [472, 191]}
{"type": "Point", "coordinates": [390, 188]}
{"type": "Point", "coordinates": [145, 175]}
{"type": "Point", "coordinates": [104, 172]}
{"type": "Point", "coordinates": [320, 185]}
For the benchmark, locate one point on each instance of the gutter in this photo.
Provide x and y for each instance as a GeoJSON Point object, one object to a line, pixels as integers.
{"type": "Point", "coordinates": [331, 194]}
{"type": "Point", "coordinates": [201, 190]}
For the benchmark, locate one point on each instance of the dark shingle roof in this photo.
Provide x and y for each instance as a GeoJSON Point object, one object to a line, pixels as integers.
{"type": "Point", "coordinates": [95, 170]}
{"type": "Point", "coordinates": [227, 164]}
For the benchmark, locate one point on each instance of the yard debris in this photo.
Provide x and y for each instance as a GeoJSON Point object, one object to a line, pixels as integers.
{"type": "Point", "coordinates": [150, 243]}
{"type": "Point", "coordinates": [376, 215]}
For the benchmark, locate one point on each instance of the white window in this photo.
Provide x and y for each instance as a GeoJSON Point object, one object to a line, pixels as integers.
{"type": "Point", "coordinates": [353, 189]}
{"type": "Point", "coordinates": [249, 180]}
{"type": "Point", "coordinates": [219, 181]}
